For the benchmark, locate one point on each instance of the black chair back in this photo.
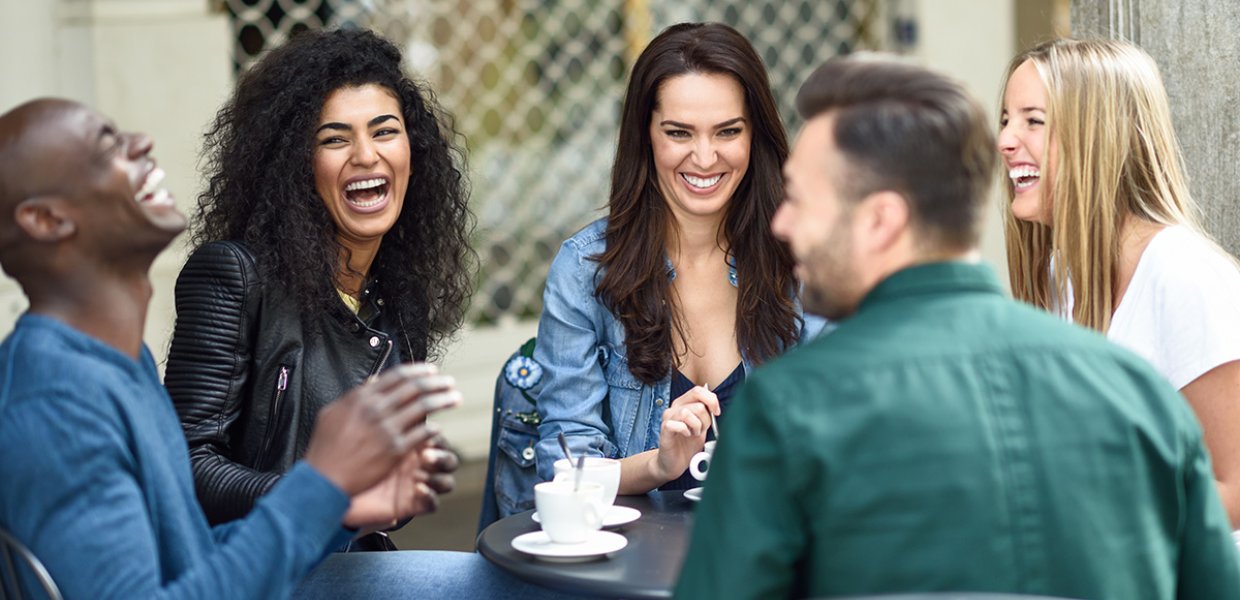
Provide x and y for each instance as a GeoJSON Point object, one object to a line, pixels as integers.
{"type": "Point", "coordinates": [18, 567]}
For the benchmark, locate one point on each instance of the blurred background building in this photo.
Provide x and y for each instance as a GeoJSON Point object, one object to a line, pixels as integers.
{"type": "Point", "coordinates": [535, 86]}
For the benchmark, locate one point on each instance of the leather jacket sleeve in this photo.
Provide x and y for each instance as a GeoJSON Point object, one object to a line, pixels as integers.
{"type": "Point", "coordinates": [217, 302]}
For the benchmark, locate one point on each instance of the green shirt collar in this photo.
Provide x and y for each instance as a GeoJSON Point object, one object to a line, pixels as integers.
{"type": "Point", "coordinates": [933, 278]}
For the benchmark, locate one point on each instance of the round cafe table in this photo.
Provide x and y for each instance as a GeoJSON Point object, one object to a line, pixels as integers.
{"type": "Point", "coordinates": [646, 568]}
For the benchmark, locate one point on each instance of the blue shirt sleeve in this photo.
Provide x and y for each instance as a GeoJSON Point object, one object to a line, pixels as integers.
{"type": "Point", "coordinates": [72, 492]}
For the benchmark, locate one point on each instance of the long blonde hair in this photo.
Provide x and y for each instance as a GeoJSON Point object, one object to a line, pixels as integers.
{"type": "Point", "coordinates": [1109, 123]}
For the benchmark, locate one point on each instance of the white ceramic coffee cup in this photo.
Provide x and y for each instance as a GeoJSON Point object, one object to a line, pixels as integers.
{"type": "Point", "coordinates": [700, 463]}
{"type": "Point", "coordinates": [569, 516]}
{"type": "Point", "coordinates": [603, 471]}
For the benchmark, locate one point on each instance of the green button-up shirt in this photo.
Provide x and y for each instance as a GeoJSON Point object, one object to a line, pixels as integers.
{"type": "Point", "coordinates": [946, 437]}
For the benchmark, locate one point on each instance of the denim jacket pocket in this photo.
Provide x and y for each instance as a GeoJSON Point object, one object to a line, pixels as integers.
{"type": "Point", "coordinates": [616, 369]}
{"type": "Point", "coordinates": [515, 471]}
{"type": "Point", "coordinates": [623, 404]}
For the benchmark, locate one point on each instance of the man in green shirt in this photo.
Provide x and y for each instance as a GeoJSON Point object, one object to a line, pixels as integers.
{"type": "Point", "coordinates": [944, 436]}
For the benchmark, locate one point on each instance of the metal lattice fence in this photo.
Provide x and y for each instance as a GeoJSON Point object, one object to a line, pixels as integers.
{"type": "Point", "coordinates": [536, 87]}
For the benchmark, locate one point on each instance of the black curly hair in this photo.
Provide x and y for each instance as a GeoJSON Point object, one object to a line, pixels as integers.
{"type": "Point", "coordinates": [257, 157]}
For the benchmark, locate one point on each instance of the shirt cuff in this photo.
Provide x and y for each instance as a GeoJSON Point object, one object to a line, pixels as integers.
{"type": "Point", "coordinates": [318, 501]}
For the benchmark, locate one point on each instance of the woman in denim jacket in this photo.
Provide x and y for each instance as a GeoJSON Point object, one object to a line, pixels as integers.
{"type": "Point", "coordinates": [682, 286]}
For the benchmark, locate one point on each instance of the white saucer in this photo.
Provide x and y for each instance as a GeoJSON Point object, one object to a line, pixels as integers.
{"type": "Point", "coordinates": [694, 494]}
{"type": "Point", "coordinates": [615, 517]}
{"type": "Point", "coordinates": [599, 543]}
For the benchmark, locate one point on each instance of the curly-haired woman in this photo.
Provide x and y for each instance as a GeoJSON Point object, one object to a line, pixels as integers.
{"type": "Point", "coordinates": [330, 244]}
{"type": "Point", "coordinates": [654, 315]}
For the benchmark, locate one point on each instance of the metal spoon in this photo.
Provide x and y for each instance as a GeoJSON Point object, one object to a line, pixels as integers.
{"type": "Point", "coordinates": [581, 467]}
{"type": "Point", "coordinates": [713, 427]}
{"type": "Point", "coordinates": [564, 447]}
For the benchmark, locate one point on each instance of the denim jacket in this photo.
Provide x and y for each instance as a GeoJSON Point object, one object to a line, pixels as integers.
{"type": "Point", "coordinates": [588, 392]}
{"type": "Point", "coordinates": [574, 380]}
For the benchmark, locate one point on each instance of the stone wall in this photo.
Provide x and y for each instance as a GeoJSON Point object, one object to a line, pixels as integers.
{"type": "Point", "coordinates": [1197, 48]}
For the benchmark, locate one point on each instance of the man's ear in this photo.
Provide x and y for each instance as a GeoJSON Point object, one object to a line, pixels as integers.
{"type": "Point", "coordinates": [45, 219]}
{"type": "Point", "coordinates": [884, 219]}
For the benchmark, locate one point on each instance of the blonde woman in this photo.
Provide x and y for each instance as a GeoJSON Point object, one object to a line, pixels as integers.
{"type": "Point", "coordinates": [1101, 227]}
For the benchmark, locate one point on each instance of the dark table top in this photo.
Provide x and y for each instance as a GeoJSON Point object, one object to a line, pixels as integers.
{"type": "Point", "coordinates": [953, 596]}
{"type": "Point", "coordinates": [646, 568]}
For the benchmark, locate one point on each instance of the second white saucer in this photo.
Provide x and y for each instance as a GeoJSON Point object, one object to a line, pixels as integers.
{"type": "Point", "coordinates": [598, 544]}
{"type": "Point", "coordinates": [615, 517]}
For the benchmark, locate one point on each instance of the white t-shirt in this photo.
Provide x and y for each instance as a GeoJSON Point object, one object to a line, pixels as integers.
{"type": "Point", "coordinates": [1181, 311]}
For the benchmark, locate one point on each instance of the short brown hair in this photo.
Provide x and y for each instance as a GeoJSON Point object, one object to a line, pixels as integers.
{"type": "Point", "coordinates": [911, 130]}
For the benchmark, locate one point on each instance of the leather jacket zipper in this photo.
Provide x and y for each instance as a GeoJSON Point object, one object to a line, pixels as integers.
{"type": "Point", "coordinates": [277, 398]}
{"type": "Point", "coordinates": [382, 359]}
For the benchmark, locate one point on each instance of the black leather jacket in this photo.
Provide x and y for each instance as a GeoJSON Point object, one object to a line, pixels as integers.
{"type": "Point", "coordinates": [248, 372]}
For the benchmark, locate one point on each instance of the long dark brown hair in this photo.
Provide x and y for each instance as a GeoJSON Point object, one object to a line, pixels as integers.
{"type": "Point", "coordinates": [635, 286]}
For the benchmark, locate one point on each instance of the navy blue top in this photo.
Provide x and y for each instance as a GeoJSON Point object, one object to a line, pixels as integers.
{"type": "Point", "coordinates": [724, 392]}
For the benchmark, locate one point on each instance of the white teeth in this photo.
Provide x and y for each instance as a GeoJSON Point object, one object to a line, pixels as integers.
{"type": "Point", "coordinates": [1024, 176]}
{"type": "Point", "coordinates": [368, 203]}
{"type": "Point", "coordinates": [365, 184]}
{"type": "Point", "coordinates": [161, 196]}
{"type": "Point", "coordinates": [151, 192]}
{"type": "Point", "coordinates": [1024, 171]}
{"type": "Point", "coordinates": [151, 184]}
{"type": "Point", "coordinates": [699, 182]}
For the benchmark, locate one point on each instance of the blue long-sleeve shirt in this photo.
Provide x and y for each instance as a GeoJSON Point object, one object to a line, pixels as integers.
{"type": "Point", "coordinates": [95, 479]}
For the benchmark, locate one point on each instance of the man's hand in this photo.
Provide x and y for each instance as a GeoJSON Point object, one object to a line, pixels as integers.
{"type": "Point", "coordinates": [377, 508]}
{"type": "Point", "coordinates": [439, 463]}
{"type": "Point", "coordinates": [412, 489]}
{"type": "Point", "coordinates": [360, 439]}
